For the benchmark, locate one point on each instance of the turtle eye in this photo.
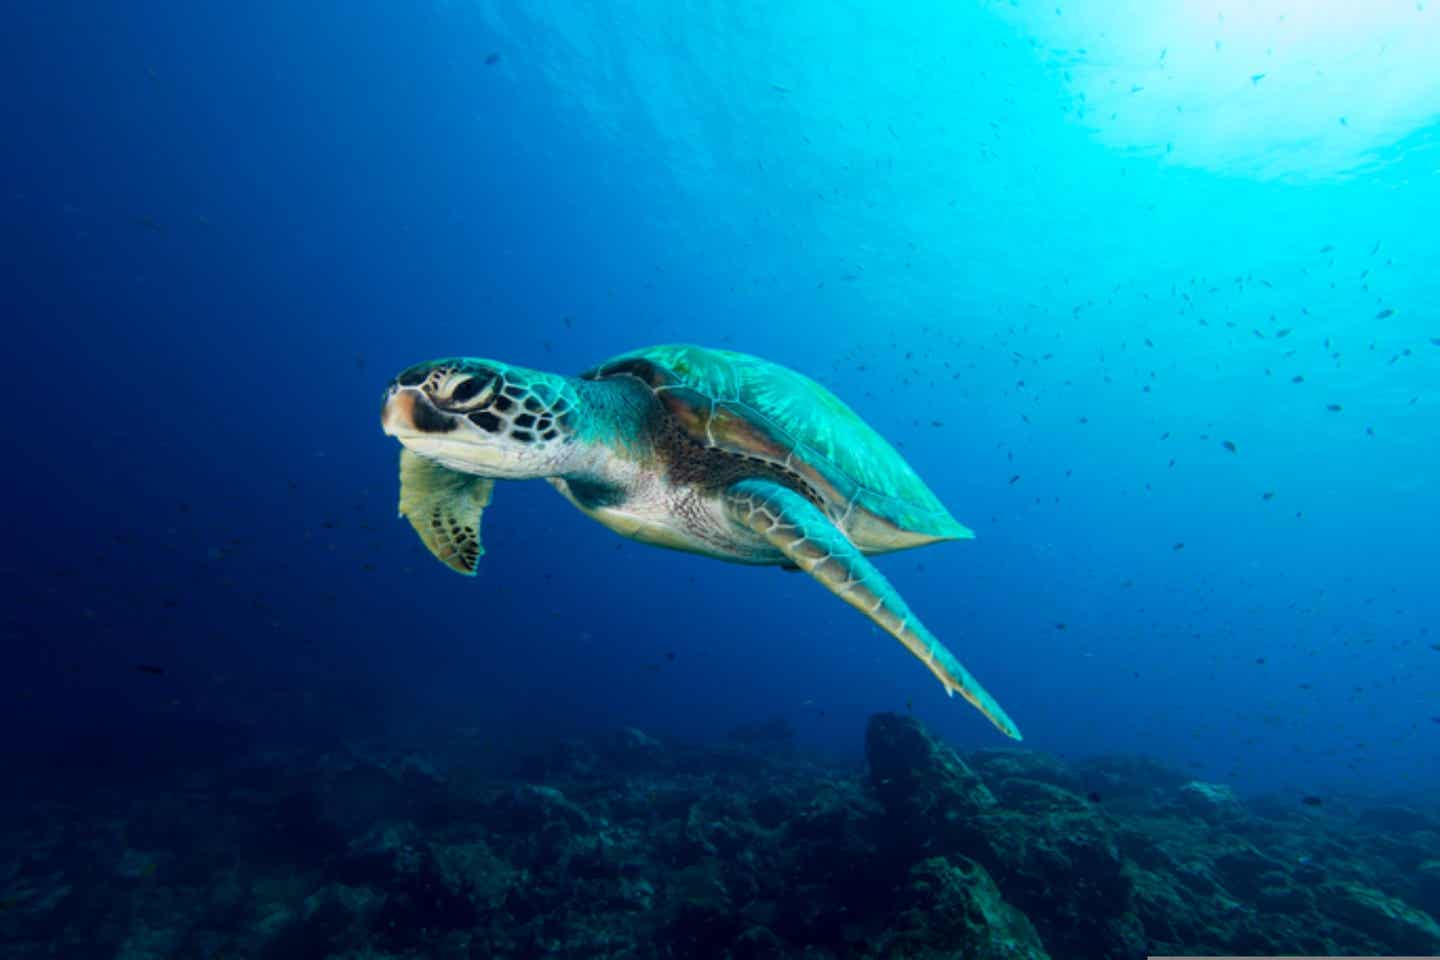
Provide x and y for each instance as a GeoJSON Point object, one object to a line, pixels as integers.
{"type": "Point", "coordinates": [472, 393]}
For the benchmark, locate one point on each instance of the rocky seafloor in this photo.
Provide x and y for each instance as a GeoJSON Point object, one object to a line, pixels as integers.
{"type": "Point", "coordinates": [626, 847]}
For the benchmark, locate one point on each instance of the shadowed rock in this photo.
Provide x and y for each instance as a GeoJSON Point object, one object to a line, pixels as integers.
{"type": "Point", "coordinates": [951, 908]}
{"type": "Point", "coordinates": [931, 798]}
{"type": "Point", "coordinates": [1386, 919]}
{"type": "Point", "coordinates": [1212, 802]}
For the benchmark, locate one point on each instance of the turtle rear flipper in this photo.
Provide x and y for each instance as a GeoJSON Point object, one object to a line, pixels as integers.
{"type": "Point", "coordinates": [444, 506]}
{"type": "Point", "coordinates": [797, 528]}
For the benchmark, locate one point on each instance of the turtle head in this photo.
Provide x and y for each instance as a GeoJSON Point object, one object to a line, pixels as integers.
{"type": "Point", "coordinates": [483, 417]}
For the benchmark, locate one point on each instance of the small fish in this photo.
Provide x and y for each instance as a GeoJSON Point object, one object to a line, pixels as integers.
{"type": "Point", "coordinates": [1260, 661]}
{"type": "Point", "coordinates": [1327, 248]}
{"type": "Point", "coordinates": [1014, 478]}
{"type": "Point", "coordinates": [1310, 800]}
{"type": "Point", "coordinates": [1387, 312]}
{"type": "Point", "coordinates": [150, 668]}
{"type": "Point", "coordinates": [1093, 797]}
{"type": "Point", "coordinates": [1178, 547]}
{"type": "Point", "coordinates": [492, 59]}
{"type": "Point", "coordinates": [1228, 445]}
{"type": "Point", "coordinates": [1297, 379]}
{"type": "Point", "coordinates": [1255, 78]}
{"type": "Point", "coordinates": [1334, 407]}
{"type": "Point", "coordinates": [1268, 495]}
{"type": "Point", "coordinates": [1282, 332]}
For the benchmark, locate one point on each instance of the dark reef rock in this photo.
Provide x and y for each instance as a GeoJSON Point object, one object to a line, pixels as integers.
{"type": "Point", "coordinates": [1038, 797]}
{"type": "Point", "coordinates": [624, 847]}
{"type": "Point", "coordinates": [360, 788]}
{"type": "Point", "coordinates": [1066, 872]}
{"type": "Point", "coordinates": [633, 751]}
{"type": "Point", "coordinates": [567, 760]}
{"type": "Point", "coordinates": [1132, 782]}
{"type": "Point", "coordinates": [1382, 918]}
{"type": "Point", "coordinates": [1427, 885]}
{"type": "Point", "coordinates": [336, 918]}
{"type": "Point", "coordinates": [1006, 763]}
{"type": "Point", "coordinates": [930, 797]}
{"type": "Point", "coordinates": [951, 908]}
{"type": "Point", "coordinates": [1050, 851]}
{"type": "Point", "coordinates": [1214, 803]}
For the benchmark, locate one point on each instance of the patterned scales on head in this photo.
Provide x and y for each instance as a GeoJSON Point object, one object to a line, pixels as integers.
{"type": "Point", "coordinates": [772, 421]}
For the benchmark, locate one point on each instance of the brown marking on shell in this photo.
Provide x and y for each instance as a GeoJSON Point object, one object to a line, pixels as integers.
{"type": "Point", "coordinates": [652, 375]}
{"type": "Point", "coordinates": [732, 429]}
{"type": "Point", "coordinates": [689, 408]}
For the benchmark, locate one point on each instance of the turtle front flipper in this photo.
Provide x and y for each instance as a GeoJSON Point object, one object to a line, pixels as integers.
{"type": "Point", "coordinates": [799, 530]}
{"type": "Point", "coordinates": [444, 506]}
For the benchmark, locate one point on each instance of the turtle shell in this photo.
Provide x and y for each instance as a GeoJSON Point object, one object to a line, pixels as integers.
{"type": "Point", "coordinates": [750, 407]}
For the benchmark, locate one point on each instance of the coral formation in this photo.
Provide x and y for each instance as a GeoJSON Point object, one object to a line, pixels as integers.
{"type": "Point", "coordinates": [625, 846]}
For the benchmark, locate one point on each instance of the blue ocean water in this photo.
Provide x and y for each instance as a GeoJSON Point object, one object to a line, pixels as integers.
{"type": "Point", "coordinates": [1146, 298]}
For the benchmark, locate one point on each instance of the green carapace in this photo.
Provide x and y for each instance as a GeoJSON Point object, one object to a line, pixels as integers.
{"type": "Point", "coordinates": [708, 451]}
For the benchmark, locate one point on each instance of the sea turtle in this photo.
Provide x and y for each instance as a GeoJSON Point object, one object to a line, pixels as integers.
{"type": "Point", "coordinates": [709, 451]}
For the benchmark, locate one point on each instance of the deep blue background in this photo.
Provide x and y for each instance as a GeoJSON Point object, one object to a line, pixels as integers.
{"type": "Point", "coordinates": [226, 227]}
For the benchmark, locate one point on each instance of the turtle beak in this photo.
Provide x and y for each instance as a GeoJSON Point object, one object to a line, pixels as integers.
{"type": "Point", "coordinates": [407, 412]}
